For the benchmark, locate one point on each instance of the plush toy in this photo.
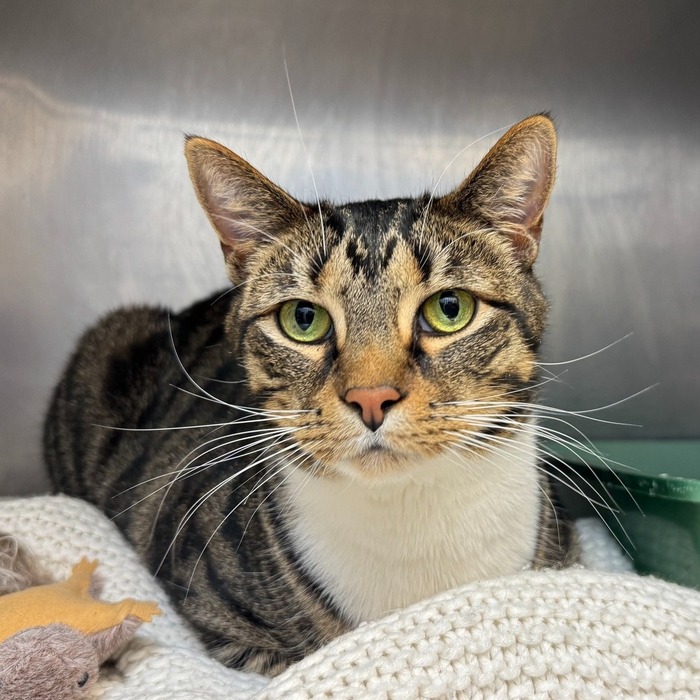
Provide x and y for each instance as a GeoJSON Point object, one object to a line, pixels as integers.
{"type": "Point", "coordinates": [55, 636]}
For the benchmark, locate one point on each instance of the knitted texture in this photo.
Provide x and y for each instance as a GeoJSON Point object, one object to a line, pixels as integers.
{"type": "Point", "coordinates": [576, 633]}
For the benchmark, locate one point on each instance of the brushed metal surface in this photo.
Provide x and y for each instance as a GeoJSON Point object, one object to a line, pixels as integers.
{"type": "Point", "coordinates": [97, 211]}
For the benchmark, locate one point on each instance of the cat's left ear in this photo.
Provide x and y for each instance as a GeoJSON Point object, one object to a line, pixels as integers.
{"type": "Point", "coordinates": [245, 208]}
{"type": "Point", "coordinates": [510, 188]}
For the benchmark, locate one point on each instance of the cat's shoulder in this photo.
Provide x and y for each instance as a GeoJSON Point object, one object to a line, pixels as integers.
{"type": "Point", "coordinates": [142, 324]}
{"type": "Point", "coordinates": [132, 344]}
{"type": "Point", "coordinates": [126, 327]}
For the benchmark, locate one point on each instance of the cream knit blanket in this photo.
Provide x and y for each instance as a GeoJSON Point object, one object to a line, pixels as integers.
{"type": "Point", "coordinates": [580, 633]}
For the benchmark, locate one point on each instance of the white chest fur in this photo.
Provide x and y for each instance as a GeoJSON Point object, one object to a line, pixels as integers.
{"type": "Point", "coordinates": [382, 547]}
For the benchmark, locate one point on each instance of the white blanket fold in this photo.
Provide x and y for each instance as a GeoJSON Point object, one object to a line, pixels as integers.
{"type": "Point", "coordinates": [578, 633]}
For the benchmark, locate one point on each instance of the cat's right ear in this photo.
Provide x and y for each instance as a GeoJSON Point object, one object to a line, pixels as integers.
{"type": "Point", "coordinates": [245, 208]}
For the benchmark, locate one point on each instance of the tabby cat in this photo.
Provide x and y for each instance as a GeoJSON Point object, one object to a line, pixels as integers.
{"type": "Point", "coordinates": [346, 430]}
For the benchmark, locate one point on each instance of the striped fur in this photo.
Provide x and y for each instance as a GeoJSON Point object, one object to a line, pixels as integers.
{"type": "Point", "coordinates": [213, 439]}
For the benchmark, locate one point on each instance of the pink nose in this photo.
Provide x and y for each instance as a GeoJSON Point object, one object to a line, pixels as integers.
{"type": "Point", "coordinates": [373, 403]}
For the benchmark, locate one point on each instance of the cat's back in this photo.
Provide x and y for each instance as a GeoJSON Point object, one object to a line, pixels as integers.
{"type": "Point", "coordinates": [124, 379]}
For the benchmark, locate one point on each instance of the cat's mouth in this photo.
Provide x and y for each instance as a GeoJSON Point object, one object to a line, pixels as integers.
{"type": "Point", "coordinates": [373, 444]}
{"type": "Point", "coordinates": [376, 448]}
{"type": "Point", "coordinates": [374, 455]}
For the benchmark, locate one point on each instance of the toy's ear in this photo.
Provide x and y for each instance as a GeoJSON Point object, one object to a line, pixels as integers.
{"type": "Point", "coordinates": [19, 568]}
{"type": "Point", "coordinates": [108, 642]}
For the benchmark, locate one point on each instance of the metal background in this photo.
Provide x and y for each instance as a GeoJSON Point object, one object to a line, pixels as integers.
{"type": "Point", "coordinates": [96, 208]}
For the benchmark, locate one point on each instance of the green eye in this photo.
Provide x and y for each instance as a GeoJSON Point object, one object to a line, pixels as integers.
{"type": "Point", "coordinates": [447, 312]}
{"type": "Point", "coordinates": [304, 321]}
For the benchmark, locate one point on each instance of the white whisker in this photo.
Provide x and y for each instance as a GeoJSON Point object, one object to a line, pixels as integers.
{"type": "Point", "coordinates": [447, 167]}
{"type": "Point", "coordinates": [192, 510]}
{"type": "Point", "coordinates": [291, 463]}
{"type": "Point", "coordinates": [594, 504]}
{"type": "Point", "coordinates": [585, 357]}
{"type": "Point", "coordinates": [541, 410]}
{"type": "Point", "coordinates": [188, 471]}
{"type": "Point", "coordinates": [308, 159]}
{"type": "Point", "coordinates": [469, 234]}
{"type": "Point", "coordinates": [241, 502]}
{"type": "Point", "coordinates": [261, 232]}
{"type": "Point", "coordinates": [568, 442]}
{"type": "Point", "coordinates": [479, 440]}
{"type": "Point", "coordinates": [239, 436]}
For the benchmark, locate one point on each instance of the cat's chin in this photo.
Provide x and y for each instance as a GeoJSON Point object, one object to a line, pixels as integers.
{"type": "Point", "coordinates": [374, 458]}
{"type": "Point", "coordinates": [379, 465]}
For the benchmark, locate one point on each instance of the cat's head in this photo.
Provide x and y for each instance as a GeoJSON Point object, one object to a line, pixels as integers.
{"type": "Point", "coordinates": [384, 327]}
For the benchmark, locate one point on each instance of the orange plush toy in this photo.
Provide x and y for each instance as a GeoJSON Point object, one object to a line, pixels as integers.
{"type": "Point", "coordinates": [54, 637]}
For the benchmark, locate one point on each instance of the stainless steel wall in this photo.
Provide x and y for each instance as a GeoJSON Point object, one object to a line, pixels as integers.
{"type": "Point", "coordinates": [96, 209]}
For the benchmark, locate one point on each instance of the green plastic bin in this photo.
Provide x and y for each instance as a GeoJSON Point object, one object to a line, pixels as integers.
{"type": "Point", "coordinates": [658, 494]}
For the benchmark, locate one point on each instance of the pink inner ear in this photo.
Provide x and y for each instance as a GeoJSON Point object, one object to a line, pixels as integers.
{"type": "Point", "coordinates": [228, 215]}
{"type": "Point", "coordinates": [235, 228]}
{"type": "Point", "coordinates": [234, 221]}
{"type": "Point", "coordinates": [246, 209]}
{"type": "Point", "coordinates": [538, 190]}
{"type": "Point", "coordinates": [522, 209]}
{"type": "Point", "coordinates": [526, 238]}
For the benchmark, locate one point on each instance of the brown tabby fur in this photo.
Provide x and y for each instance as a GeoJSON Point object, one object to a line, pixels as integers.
{"type": "Point", "coordinates": [217, 534]}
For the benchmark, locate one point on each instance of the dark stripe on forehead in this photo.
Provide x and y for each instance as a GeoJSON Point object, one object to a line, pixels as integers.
{"type": "Point", "coordinates": [389, 251]}
{"type": "Point", "coordinates": [333, 232]}
{"type": "Point", "coordinates": [373, 218]}
{"type": "Point", "coordinates": [423, 257]}
{"type": "Point", "coordinates": [334, 223]}
{"type": "Point", "coordinates": [369, 223]}
{"type": "Point", "coordinates": [358, 260]}
{"type": "Point", "coordinates": [410, 228]}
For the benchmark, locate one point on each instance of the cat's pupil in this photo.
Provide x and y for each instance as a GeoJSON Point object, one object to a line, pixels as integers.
{"type": "Point", "coordinates": [449, 305]}
{"type": "Point", "coordinates": [304, 316]}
